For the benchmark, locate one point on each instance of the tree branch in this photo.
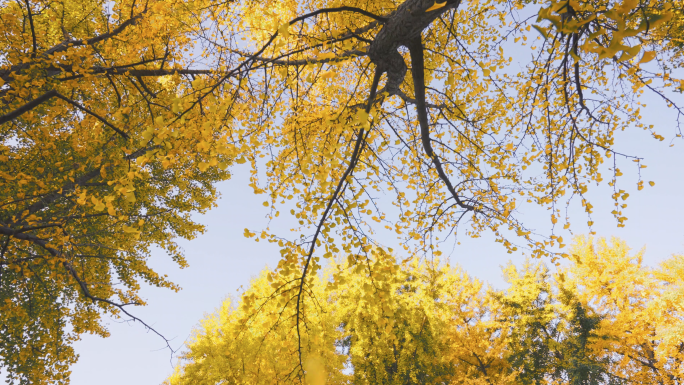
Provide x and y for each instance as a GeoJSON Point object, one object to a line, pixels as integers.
{"type": "Point", "coordinates": [27, 107]}
{"type": "Point", "coordinates": [418, 72]}
{"type": "Point", "coordinates": [33, 30]}
{"type": "Point", "coordinates": [69, 186]}
{"type": "Point", "coordinates": [100, 118]}
{"type": "Point", "coordinates": [358, 149]}
{"type": "Point", "coordinates": [340, 9]}
{"type": "Point", "coordinates": [6, 74]}
{"type": "Point", "coordinates": [84, 287]}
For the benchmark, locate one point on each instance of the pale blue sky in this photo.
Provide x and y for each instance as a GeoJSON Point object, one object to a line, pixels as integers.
{"type": "Point", "coordinates": [222, 259]}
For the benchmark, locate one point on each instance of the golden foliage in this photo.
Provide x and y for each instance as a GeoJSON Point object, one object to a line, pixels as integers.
{"type": "Point", "coordinates": [596, 320]}
{"type": "Point", "coordinates": [97, 166]}
{"type": "Point", "coordinates": [118, 118]}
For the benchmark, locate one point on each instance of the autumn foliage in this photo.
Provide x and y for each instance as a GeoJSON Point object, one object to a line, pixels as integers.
{"type": "Point", "coordinates": [118, 118]}
{"type": "Point", "coordinates": [96, 173]}
{"type": "Point", "coordinates": [600, 319]}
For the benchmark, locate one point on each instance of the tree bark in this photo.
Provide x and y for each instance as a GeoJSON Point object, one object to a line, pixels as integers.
{"type": "Point", "coordinates": [402, 27]}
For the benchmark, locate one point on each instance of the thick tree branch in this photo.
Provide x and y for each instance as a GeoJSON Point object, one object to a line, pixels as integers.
{"type": "Point", "coordinates": [404, 25]}
{"type": "Point", "coordinates": [147, 72]}
{"type": "Point", "coordinates": [343, 55]}
{"type": "Point", "coordinates": [339, 9]}
{"type": "Point", "coordinates": [418, 71]}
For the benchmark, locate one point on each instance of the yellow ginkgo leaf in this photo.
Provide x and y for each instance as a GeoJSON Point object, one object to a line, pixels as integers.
{"type": "Point", "coordinates": [648, 56]}
{"type": "Point", "coordinates": [436, 6]}
{"type": "Point", "coordinates": [284, 30]}
{"type": "Point", "coordinates": [132, 230]}
{"type": "Point", "coordinates": [82, 198]}
{"type": "Point", "coordinates": [627, 6]}
{"type": "Point", "coordinates": [325, 55]}
{"type": "Point", "coordinates": [315, 371]}
{"type": "Point", "coordinates": [99, 206]}
{"type": "Point", "coordinates": [198, 83]}
{"type": "Point", "coordinates": [542, 31]}
{"type": "Point", "coordinates": [147, 134]}
{"type": "Point", "coordinates": [128, 229]}
{"type": "Point", "coordinates": [327, 75]}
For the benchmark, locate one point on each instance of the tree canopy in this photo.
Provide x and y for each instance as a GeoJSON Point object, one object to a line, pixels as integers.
{"type": "Point", "coordinates": [430, 323]}
{"type": "Point", "coordinates": [117, 118]}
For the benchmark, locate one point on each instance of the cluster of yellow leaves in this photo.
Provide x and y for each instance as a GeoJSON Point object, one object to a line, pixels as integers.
{"type": "Point", "coordinates": [506, 136]}
{"type": "Point", "coordinates": [122, 147]}
{"type": "Point", "coordinates": [377, 323]}
{"type": "Point", "coordinates": [245, 346]}
{"type": "Point", "coordinates": [374, 320]}
{"type": "Point", "coordinates": [118, 118]}
{"type": "Point", "coordinates": [641, 309]}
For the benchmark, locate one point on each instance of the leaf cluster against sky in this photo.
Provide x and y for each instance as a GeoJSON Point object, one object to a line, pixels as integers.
{"type": "Point", "coordinates": [604, 318]}
{"type": "Point", "coordinates": [119, 118]}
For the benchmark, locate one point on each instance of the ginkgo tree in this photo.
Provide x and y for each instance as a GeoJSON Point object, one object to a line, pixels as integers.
{"type": "Point", "coordinates": [118, 117]}
{"type": "Point", "coordinates": [422, 103]}
{"type": "Point", "coordinates": [109, 142]}
{"type": "Point", "coordinates": [377, 320]}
